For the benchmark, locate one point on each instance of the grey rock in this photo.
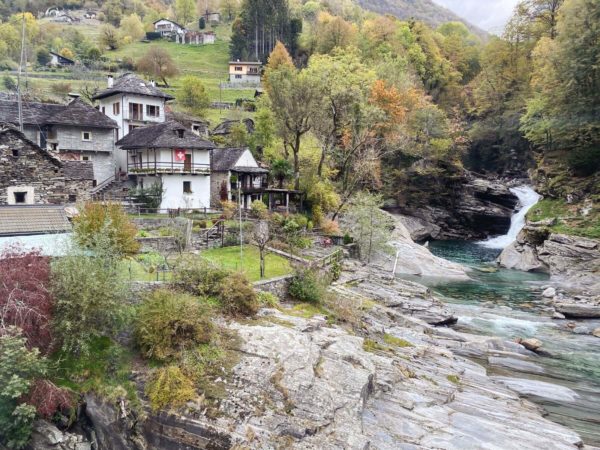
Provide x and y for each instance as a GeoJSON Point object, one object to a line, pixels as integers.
{"type": "Point", "coordinates": [519, 365]}
{"type": "Point", "coordinates": [578, 310]}
{"type": "Point", "coordinates": [549, 292]}
{"type": "Point", "coordinates": [596, 333]}
{"type": "Point", "coordinates": [531, 344]}
{"type": "Point", "coordinates": [537, 388]}
{"type": "Point", "coordinates": [558, 316]}
{"type": "Point", "coordinates": [581, 330]}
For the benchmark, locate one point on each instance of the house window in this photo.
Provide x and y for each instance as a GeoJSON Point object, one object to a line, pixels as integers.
{"type": "Point", "coordinates": [85, 158]}
{"type": "Point", "coordinates": [239, 77]}
{"type": "Point", "coordinates": [20, 197]}
{"type": "Point", "coordinates": [238, 68]}
{"type": "Point", "coordinates": [72, 198]}
{"type": "Point", "coordinates": [54, 146]}
{"type": "Point", "coordinates": [187, 187]}
{"type": "Point", "coordinates": [103, 110]}
{"type": "Point", "coordinates": [152, 111]}
{"type": "Point", "coordinates": [135, 111]}
{"type": "Point", "coordinates": [15, 152]}
{"type": "Point", "coordinates": [86, 135]}
{"type": "Point", "coordinates": [116, 109]}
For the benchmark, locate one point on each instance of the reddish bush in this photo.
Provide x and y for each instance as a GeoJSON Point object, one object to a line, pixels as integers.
{"type": "Point", "coordinates": [25, 299]}
{"type": "Point", "coordinates": [47, 398]}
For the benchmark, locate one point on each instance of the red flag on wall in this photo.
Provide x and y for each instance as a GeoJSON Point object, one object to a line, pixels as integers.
{"type": "Point", "coordinates": [179, 155]}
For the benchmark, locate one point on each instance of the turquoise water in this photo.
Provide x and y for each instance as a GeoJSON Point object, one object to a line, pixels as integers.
{"type": "Point", "coordinates": [508, 304]}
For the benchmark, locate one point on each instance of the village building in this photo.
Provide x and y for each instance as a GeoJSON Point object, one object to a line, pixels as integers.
{"type": "Point", "coordinates": [33, 220]}
{"type": "Point", "coordinates": [212, 16]}
{"type": "Point", "coordinates": [225, 128]}
{"type": "Point", "coordinates": [59, 60]}
{"type": "Point", "coordinates": [244, 73]}
{"type": "Point", "coordinates": [172, 155]}
{"type": "Point", "coordinates": [168, 28]}
{"type": "Point", "coordinates": [132, 103]}
{"type": "Point", "coordinates": [32, 175]}
{"type": "Point", "coordinates": [199, 127]}
{"type": "Point", "coordinates": [74, 132]}
{"type": "Point", "coordinates": [195, 37]}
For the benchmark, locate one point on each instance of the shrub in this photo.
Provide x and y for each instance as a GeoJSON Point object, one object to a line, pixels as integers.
{"type": "Point", "coordinates": [150, 198]}
{"type": "Point", "coordinates": [229, 209]}
{"type": "Point", "coordinates": [19, 366]}
{"type": "Point", "coordinates": [25, 299]}
{"type": "Point", "coordinates": [89, 300]}
{"type": "Point", "coordinates": [259, 209]}
{"type": "Point", "coordinates": [106, 225]}
{"type": "Point", "coordinates": [237, 295]}
{"type": "Point", "coordinates": [267, 299]}
{"type": "Point", "coordinates": [335, 270]}
{"type": "Point", "coordinates": [330, 227]}
{"type": "Point", "coordinates": [307, 286]}
{"type": "Point", "coordinates": [169, 322]}
{"type": "Point", "coordinates": [198, 276]}
{"type": "Point", "coordinates": [169, 386]}
{"type": "Point", "coordinates": [47, 398]}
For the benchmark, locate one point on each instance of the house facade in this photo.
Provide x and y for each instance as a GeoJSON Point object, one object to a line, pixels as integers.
{"type": "Point", "coordinates": [59, 60]}
{"type": "Point", "coordinates": [131, 103]}
{"type": "Point", "coordinates": [167, 27]}
{"type": "Point", "coordinates": [235, 174]}
{"type": "Point", "coordinates": [244, 73]}
{"type": "Point", "coordinates": [31, 175]}
{"type": "Point", "coordinates": [172, 155]}
{"type": "Point", "coordinates": [72, 132]}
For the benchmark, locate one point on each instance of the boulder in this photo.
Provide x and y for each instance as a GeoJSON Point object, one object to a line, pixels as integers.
{"type": "Point", "coordinates": [558, 316]}
{"type": "Point", "coordinates": [530, 344]}
{"type": "Point", "coordinates": [581, 330]}
{"type": "Point", "coordinates": [419, 229]}
{"type": "Point", "coordinates": [549, 292]}
{"type": "Point", "coordinates": [578, 310]}
{"type": "Point", "coordinates": [521, 257]}
{"type": "Point", "coordinates": [596, 333]}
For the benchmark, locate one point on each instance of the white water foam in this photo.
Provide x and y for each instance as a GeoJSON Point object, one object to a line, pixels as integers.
{"type": "Point", "coordinates": [527, 198]}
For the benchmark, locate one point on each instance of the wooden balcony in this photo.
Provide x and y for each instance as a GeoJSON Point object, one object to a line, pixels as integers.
{"type": "Point", "coordinates": [168, 168]}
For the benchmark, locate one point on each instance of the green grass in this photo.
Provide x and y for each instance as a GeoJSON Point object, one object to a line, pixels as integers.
{"type": "Point", "coordinates": [395, 341]}
{"type": "Point", "coordinates": [229, 258]}
{"type": "Point", "coordinates": [105, 370]}
{"type": "Point", "coordinates": [568, 218]}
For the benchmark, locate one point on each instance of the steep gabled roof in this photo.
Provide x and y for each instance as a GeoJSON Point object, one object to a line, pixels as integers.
{"type": "Point", "coordinates": [76, 113]}
{"type": "Point", "coordinates": [224, 159]}
{"type": "Point", "coordinates": [62, 57]}
{"type": "Point", "coordinates": [8, 128]}
{"type": "Point", "coordinates": [34, 219]}
{"type": "Point", "coordinates": [163, 135]}
{"type": "Point", "coordinates": [225, 127]}
{"type": "Point", "coordinates": [130, 84]}
{"type": "Point", "coordinates": [168, 20]}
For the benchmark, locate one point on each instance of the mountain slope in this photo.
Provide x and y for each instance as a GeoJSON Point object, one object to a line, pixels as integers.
{"type": "Point", "coordinates": [424, 10]}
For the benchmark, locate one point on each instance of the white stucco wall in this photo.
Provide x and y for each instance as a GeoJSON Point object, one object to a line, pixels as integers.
{"type": "Point", "coordinates": [246, 160]}
{"type": "Point", "coordinates": [174, 197]}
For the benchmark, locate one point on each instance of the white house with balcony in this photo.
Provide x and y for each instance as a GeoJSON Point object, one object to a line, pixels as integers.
{"type": "Point", "coordinates": [171, 154]}
{"type": "Point", "coordinates": [132, 103]}
{"type": "Point", "coordinates": [168, 28]}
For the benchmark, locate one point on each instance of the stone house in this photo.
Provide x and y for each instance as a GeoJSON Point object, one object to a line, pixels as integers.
{"type": "Point", "coordinates": [171, 154]}
{"type": "Point", "coordinates": [235, 170]}
{"type": "Point", "coordinates": [59, 60]}
{"type": "Point", "coordinates": [132, 103]}
{"type": "Point", "coordinates": [244, 73]}
{"type": "Point", "coordinates": [195, 37]}
{"type": "Point", "coordinates": [74, 131]}
{"type": "Point", "coordinates": [32, 175]}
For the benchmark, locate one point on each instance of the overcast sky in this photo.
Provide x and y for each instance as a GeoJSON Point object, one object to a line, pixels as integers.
{"type": "Point", "coordinates": [491, 15]}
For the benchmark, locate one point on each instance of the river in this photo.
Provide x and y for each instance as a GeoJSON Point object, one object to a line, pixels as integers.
{"type": "Point", "coordinates": [508, 304]}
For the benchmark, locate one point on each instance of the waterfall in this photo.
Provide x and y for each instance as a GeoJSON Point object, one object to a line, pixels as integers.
{"type": "Point", "coordinates": [527, 198]}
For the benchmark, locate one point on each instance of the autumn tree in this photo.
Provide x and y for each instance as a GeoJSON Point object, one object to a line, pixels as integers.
{"type": "Point", "coordinates": [25, 298]}
{"type": "Point", "coordinates": [157, 62]}
{"type": "Point", "coordinates": [109, 37]}
{"type": "Point", "coordinates": [261, 236]}
{"type": "Point", "coordinates": [192, 95]}
{"type": "Point", "coordinates": [332, 32]}
{"type": "Point", "coordinates": [185, 11]}
{"type": "Point", "coordinates": [132, 28]}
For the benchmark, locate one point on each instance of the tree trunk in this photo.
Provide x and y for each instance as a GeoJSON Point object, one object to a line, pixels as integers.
{"type": "Point", "coordinates": [262, 262]}
{"type": "Point", "coordinates": [296, 162]}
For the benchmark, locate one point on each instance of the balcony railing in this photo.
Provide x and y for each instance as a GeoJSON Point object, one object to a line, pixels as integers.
{"type": "Point", "coordinates": [248, 188]}
{"type": "Point", "coordinates": [167, 167]}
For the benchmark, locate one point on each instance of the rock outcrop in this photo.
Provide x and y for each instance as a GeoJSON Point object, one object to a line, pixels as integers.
{"type": "Point", "coordinates": [575, 261]}
{"type": "Point", "coordinates": [456, 206]}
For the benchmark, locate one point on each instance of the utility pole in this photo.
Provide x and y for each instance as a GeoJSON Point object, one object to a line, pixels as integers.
{"type": "Point", "coordinates": [19, 101]}
{"type": "Point", "coordinates": [241, 236]}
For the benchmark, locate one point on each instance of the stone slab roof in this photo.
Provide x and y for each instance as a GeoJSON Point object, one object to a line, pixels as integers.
{"type": "Point", "coordinates": [34, 219]}
{"type": "Point", "coordinates": [163, 135]}
{"type": "Point", "coordinates": [224, 128]}
{"type": "Point", "coordinates": [130, 84]}
{"type": "Point", "coordinates": [75, 113]}
{"type": "Point", "coordinates": [242, 169]}
{"type": "Point", "coordinates": [224, 159]}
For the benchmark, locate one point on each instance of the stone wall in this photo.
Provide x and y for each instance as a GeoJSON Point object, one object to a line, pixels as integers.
{"type": "Point", "coordinates": [159, 244]}
{"type": "Point", "coordinates": [276, 286]}
{"type": "Point", "coordinates": [25, 167]}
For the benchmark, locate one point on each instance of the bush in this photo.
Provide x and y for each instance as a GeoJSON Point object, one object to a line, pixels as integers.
{"type": "Point", "coordinates": [198, 276]}
{"type": "Point", "coordinates": [330, 227]}
{"type": "Point", "coordinates": [106, 227]}
{"type": "Point", "coordinates": [335, 270]}
{"type": "Point", "coordinates": [307, 285]}
{"type": "Point", "coordinates": [19, 366]}
{"type": "Point", "coordinates": [25, 300]}
{"type": "Point", "coordinates": [259, 209]}
{"type": "Point", "coordinates": [267, 299]}
{"type": "Point", "coordinates": [237, 296]}
{"type": "Point", "coordinates": [150, 198]}
{"type": "Point", "coordinates": [229, 209]}
{"type": "Point", "coordinates": [169, 322]}
{"type": "Point", "coordinates": [169, 386]}
{"type": "Point", "coordinates": [89, 300]}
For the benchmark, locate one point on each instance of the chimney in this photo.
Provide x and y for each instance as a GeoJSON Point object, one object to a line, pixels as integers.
{"type": "Point", "coordinates": [109, 81]}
